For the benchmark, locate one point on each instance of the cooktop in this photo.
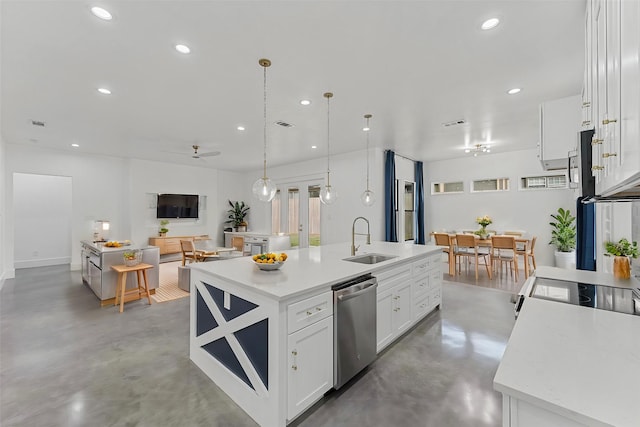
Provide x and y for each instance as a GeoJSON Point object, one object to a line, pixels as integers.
{"type": "Point", "coordinates": [621, 300]}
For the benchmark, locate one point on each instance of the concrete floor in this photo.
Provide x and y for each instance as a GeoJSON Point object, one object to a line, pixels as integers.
{"type": "Point", "coordinates": [64, 361]}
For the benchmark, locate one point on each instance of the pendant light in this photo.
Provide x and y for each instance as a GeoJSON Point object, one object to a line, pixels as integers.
{"type": "Point", "coordinates": [367, 197]}
{"type": "Point", "coordinates": [328, 195]}
{"type": "Point", "coordinates": [264, 189]}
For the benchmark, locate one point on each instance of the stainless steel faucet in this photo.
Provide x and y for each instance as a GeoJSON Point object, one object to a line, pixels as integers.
{"type": "Point", "coordinates": [353, 235]}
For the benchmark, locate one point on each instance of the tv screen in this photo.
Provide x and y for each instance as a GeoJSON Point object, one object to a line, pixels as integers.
{"type": "Point", "coordinates": [177, 206]}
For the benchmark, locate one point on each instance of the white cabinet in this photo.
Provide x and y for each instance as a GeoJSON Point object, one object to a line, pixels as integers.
{"type": "Point", "coordinates": [309, 351]}
{"type": "Point", "coordinates": [559, 124]}
{"type": "Point", "coordinates": [518, 413]}
{"type": "Point", "coordinates": [614, 34]}
{"type": "Point", "coordinates": [310, 375]}
{"type": "Point", "coordinates": [406, 294]}
{"type": "Point", "coordinates": [394, 313]}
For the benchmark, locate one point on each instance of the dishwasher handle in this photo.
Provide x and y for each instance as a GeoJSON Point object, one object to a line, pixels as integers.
{"type": "Point", "coordinates": [356, 290]}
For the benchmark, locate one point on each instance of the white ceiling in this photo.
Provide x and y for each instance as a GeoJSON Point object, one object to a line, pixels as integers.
{"type": "Point", "coordinates": [412, 64]}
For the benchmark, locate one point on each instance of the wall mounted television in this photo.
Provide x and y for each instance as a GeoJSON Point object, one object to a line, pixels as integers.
{"type": "Point", "coordinates": [177, 206]}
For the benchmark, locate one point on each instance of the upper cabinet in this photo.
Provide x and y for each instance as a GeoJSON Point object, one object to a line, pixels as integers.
{"type": "Point", "coordinates": [559, 125]}
{"type": "Point", "coordinates": [611, 92]}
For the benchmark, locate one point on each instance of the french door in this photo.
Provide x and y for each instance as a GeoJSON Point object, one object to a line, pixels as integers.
{"type": "Point", "coordinates": [296, 212]}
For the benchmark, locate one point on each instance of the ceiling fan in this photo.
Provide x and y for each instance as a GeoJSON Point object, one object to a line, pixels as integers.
{"type": "Point", "coordinates": [197, 155]}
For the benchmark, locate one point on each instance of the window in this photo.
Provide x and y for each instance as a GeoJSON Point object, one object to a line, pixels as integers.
{"type": "Point", "coordinates": [447, 187]}
{"type": "Point", "coordinates": [548, 181]}
{"type": "Point", "coordinates": [497, 184]}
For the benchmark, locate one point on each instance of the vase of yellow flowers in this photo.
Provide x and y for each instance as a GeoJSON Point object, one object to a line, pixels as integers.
{"type": "Point", "coordinates": [483, 221]}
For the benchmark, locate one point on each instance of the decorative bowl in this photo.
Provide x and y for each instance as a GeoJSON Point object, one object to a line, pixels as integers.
{"type": "Point", "coordinates": [269, 267]}
{"type": "Point", "coordinates": [132, 258]}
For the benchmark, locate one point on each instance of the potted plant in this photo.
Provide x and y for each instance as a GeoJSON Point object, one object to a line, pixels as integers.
{"type": "Point", "coordinates": [563, 236]}
{"type": "Point", "coordinates": [237, 213]}
{"type": "Point", "coordinates": [483, 221]}
{"type": "Point", "coordinates": [621, 252]}
{"type": "Point", "coordinates": [163, 230]}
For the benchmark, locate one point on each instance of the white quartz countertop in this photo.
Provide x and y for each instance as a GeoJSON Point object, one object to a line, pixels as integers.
{"type": "Point", "coordinates": [583, 276]}
{"type": "Point", "coordinates": [311, 268]}
{"type": "Point", "coordinates": [576, 361]}
{"type": "Point", "coordinates": [100, 247]}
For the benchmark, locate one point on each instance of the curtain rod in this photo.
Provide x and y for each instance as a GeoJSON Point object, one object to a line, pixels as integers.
{"type": "Point", "coordinates": [404, 157]}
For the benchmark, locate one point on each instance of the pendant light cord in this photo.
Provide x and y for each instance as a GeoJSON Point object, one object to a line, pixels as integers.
{"type": "Point", "coordinates": [328, 95]}
{"type": "Point", "coordinates": [265, 121]}
{"type": "Point", "coordinates": [368, 130]}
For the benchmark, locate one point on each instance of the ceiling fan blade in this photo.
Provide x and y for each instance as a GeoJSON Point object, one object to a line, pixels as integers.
{"type": "Point", "coordinates": [209, 154]}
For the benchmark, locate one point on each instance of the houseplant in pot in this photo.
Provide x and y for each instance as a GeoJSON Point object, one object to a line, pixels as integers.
{"type": "Point", "coordinates": [163, 230]}
{"type": "Point", "coordinates": [237, 213]}
{"type": "Point", "coordinates": [563, 236]}
{"type": "Point", "coordinates": [622, 252]}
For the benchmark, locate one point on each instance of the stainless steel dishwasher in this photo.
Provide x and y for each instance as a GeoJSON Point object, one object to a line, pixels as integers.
{"type": "Point", "coordinates": [354, 327]}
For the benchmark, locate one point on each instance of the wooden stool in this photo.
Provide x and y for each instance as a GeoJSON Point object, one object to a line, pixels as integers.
{"type": "Point", "coordinates": [141, 271]}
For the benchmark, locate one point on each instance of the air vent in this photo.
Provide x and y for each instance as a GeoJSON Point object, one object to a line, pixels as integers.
{"type": "Point", "coordinates": [454, 123]}
{"type": "Point", "coordinates": [37, 123]}
{"type": "Point", "coordinates": [284, 124]}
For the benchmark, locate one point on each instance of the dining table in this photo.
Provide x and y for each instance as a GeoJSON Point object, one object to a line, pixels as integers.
{"type": "Point", "coordinates": [522, 242]}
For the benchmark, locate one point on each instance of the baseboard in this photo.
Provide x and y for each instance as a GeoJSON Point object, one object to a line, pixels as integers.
{"type": "Point", "coordinates": [41, 262]}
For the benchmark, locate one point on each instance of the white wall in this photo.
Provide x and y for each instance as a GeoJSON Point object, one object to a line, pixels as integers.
{"type": "Point", "coordinates": [118, 190]}
{"type": "Point", "coordinates": [3, 216]}
{"type": "Point", "coordinates": [348, 178]}
{"type": "Point", "coordinates": [527, 210]}
{"type": "Point", "coordinates": [42, 220]}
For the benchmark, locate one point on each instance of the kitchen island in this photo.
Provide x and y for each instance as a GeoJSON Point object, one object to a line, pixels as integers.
{"type": "Point", "coordinates": [266, 337]}
{"type": "Point", "coordinates": [98, 275]}
{"type": "Point", "coordinates": [570, 365]}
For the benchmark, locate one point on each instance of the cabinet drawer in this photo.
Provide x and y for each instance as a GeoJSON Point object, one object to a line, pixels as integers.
{"type": "Point", "coordinates": [422, 307]}
{"type": "Point", "coordinates": [172, 246]}
{"type": "Point", "coordinates": [393, 276]}
{"type": "Point", "coordinates": [421, 286]}
{"type": "Point", "coordinates": [435, 279]}
{"type": "Point", "coordinates": [421, 266]}
{"type": "Point", "coordinates": [309, 311]}
{"type": "Point", "coordinates": [435, 298]}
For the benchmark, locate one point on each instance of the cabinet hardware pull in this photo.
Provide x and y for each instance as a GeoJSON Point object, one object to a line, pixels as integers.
{"type": "Point", "coordinates": [318, 309]}
{"type": "Point", "coordinates": [309, 313]}
{"type": "Point", "coordinates": [586, 104]}
{"type": "Point", "coordinates": [595, 141]}
{"type": "Point", "coordinates": [607, 121]}
{"type": "Point", "coordinates": [294, 367]}
{"type": "Point", "coordinates": [396, 309]}
{"type": "Point", "coordinates": [586, 122]}
{"type": "Point", "coordinates": [605, 155]}
{"type": "Point", "coordinates": [597, 168]}
{"type": "Point", "coordinates": [396, 297]}
{"type": "Point", "coordinates": [294, 352]}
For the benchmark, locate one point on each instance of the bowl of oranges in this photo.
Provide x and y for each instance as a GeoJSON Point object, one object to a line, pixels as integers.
{"type": "Point", "coordinates": [269, 261]}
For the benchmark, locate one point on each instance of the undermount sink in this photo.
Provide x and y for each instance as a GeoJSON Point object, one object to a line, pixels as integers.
{"type": "Point", "coordinates": [370, 258]}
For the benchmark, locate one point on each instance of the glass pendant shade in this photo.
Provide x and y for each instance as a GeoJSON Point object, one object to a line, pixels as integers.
{"type": "Point", "coordinates": [368, 198]}
{"type": "Point", "coordinates": [328, 195]}
{"type": "Point", "coordinates": [264, 189]}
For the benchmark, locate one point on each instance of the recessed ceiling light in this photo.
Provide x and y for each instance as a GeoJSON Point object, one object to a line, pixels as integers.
{"type": "Point", "coordinates": [101, 13]}
{"type": "Point", "coordinates": [314, 146]}
{"type": "Point", "coordinates": [514, 91]}
{"type": "Point", "coordinates": [183, 48]}
{"type": "Point", "coordinates": [490, 23]}
{"type": "Point", "coordinates": [104, 91]}
{"type": "Point", "coordinates": [366, 129]}
{"type": "Point", "coordinates": [305, 102]}
{"type": "Point", "coordinates": [240, 128]}
{"type": "Point", "coordinates": [75, 145]}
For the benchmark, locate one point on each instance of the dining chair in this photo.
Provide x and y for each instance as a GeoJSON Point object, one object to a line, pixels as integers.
{"type": "Point", "coordinates": [503, 251]}
{"type": "Point", "coordinates": [444, 239]}
{"type": "Point", "coordinates": [528, 255]}
{"type": "Point", "coordinates": [189, 252]}
{"type": "Point", "coordinates": [467, 247]}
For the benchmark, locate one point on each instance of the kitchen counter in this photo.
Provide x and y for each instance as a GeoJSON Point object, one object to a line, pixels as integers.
{"type": "Point", "coordinates": [266, 338]}
{"type": "Point", "coordinates": [312, 268]}
{"type": "Point", "coordinates": [100, 247]}
{"type": "Point", "coordinates": [578, 363]}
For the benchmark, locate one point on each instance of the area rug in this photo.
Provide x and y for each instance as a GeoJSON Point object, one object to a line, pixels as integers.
{"type": "Point", "coordinates": [168, 289]}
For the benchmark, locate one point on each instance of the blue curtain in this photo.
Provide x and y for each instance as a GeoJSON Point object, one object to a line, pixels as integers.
{"type": "Point", "coordinates": [390, 231]}
{"type": "Point", "coordinates": [419, 204]}
{"type": "Point", "coordinates": [586, 235]}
